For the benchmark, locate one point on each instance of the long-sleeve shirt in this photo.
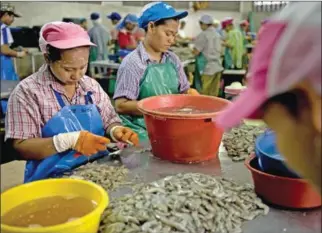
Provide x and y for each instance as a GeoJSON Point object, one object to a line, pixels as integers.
{"type": "Point", "coordinates": [100, 36]}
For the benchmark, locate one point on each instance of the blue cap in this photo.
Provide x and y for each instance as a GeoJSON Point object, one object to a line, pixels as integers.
{"type": "Point", "coordinates": [130, 18]}
{"type": "Point", "coordinates": [95, 16]}
{"type": "Point", "coordinates": [114, 16]}
{"type": "Point", "coordinates": [156, 11]}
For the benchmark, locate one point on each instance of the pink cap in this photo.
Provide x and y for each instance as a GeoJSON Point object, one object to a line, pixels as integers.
{"type": "Point", "coordinates": [288, 51]}
{"type": "Point", "coordinates": [244, 23]}
{"type": "Point", "coordinates": [226, 22]}
{"type": "Point", "coordinates": [63, 35]}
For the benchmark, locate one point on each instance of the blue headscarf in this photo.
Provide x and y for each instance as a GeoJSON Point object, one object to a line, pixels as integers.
{"type": "Point", "coordinates": [130, 18]}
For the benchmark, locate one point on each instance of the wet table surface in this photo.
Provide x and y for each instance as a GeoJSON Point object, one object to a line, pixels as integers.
{"type": "Point", "coordinates": [149, 169]}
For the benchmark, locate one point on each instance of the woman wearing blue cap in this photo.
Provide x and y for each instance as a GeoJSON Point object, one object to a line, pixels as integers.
{"type": "Point", "coordinates": [125, 37]}
{"type": "Point", "coordinates": [151, 69]}
{"type": "Point", "coordinates": [115, 19]}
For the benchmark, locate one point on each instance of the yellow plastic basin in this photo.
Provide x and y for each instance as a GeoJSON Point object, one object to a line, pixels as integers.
{"type": "Point", "coordinates": [54, 187]}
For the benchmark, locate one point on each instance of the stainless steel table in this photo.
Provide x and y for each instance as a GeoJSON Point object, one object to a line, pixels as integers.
{"type": "Point", "coordinates": [277, 221]}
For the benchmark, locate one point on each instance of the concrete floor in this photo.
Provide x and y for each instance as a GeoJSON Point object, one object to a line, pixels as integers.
{"type": "Point", "coordinates": [12, 174]}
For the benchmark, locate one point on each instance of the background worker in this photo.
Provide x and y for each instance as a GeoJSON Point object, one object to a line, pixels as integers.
{"type": "Point", "coordinates": [286, 95]}
{"type": "Point", "coordinates": [7, 68]}
{"type": "Point", "coordinates": [218, 28]}
{"type": "Point", "coordinates": [126, 39]}
{"type": "Point", "coordinates": [181, 31]}
{"type": "Point", "coordinates": [99, 36]}
{"type": "Point", "coordinates": [7, 17]}
{"type": "Point", "coordinates": [208, 53]}
{"type": "Point", "coordinates": [83, 24]}
{"type": "Point", "coordinates": [244, 28]}
{"type": "Point", "coordinates": [234, 47]}
{"type": "Point", "coordinates": [151, 69]}
{"type": "Point", "coordinates": [115, 19]}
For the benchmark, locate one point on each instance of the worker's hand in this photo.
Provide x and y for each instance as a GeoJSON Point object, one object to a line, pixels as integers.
{"type": "Point", "coordinates": [25, 50]}
{"type": "Point", "coordinates": [192, 91]}
{"type": "Point", "coordinates": [21, 54]}
{"type": "Point", "coordinates": [83, 142]}
{"type": "Point", "coordinates": [124, 134]}
{"type": "Point", "coordinates": [89, 144]}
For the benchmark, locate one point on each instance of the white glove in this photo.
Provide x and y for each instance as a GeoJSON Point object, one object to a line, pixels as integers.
{"type": "Point", "coordinates": [21, 54]}
{"type": "Point", "coordinates": [65, 141]}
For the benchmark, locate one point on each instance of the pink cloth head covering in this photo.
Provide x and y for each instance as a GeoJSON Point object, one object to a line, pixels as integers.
{"type": "Point", "coordinates": [227, 21]}
{"type": "Point", "coordinates": [63, 35]}
{"type": "Point", "coordinates": [244, 23]}
{"type": "Point", "coordinates": [288, 51]}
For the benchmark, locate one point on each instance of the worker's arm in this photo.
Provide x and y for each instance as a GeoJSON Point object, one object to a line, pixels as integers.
{"type": "Point", "coordinates": [199, 44]}
{"type": "Point", "coordinates": [196, 52]}
{"type": "Point", "coordinates": [127, 88]}
{"type": "Point", "coordinates": [126, 106]}
{"type": "Point", "coordinates": [230, 41]}
{"type": "Point", "coordinates": [6, 50]}
{"type": "Point", "coordinates": [131, 47]}
{"type": "Point", "coordinates": [83, 142]}
{"type": "Point", "coordinates": [34, 148]}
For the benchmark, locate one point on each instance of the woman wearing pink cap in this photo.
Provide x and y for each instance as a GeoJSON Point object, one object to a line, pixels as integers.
{"type": "Point", "coordinates": [58, 117]}
{"type": "Point", "coordinates": [284, 87]}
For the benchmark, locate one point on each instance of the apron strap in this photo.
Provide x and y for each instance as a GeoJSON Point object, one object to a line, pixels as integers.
{"type": "Point", "coordinates": [88, 98]}
{"type": "Point", "coordinates": [59, 99]}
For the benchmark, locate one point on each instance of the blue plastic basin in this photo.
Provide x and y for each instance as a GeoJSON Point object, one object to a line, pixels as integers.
{"type": "Point", "coordinates": [269, 159]}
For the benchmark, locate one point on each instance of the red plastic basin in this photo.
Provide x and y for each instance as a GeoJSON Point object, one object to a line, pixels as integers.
{"type": "Point", "coordinates": [183, 137]}
{"type": "Point", "coordinates": [283, 191]}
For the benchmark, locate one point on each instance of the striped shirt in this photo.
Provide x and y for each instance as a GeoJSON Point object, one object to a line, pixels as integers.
{"type": "Point", "coordinates": [32, 103]}
{"type": "Point", "coordinates": [6, 37]}
{"type": "Point", "coordinates": [132, 69]}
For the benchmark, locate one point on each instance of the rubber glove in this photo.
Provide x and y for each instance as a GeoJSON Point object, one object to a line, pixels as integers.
{"type": "Point", "coordinates": [192, 91]}
{"type": "Point", "coordinates": [83, 142]}
{"type": "Point", "coordinates": [124, 134]}
{"type": "Point", "coordinates": [21, 54]}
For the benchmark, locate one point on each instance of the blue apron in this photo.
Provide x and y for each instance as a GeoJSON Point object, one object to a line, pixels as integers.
{"type": "Point", "coordinates": [8, 71]}
{"type": "Point", "coordinates": [68, 119]}
{"type": "Point", "coordinates": [7, 68]}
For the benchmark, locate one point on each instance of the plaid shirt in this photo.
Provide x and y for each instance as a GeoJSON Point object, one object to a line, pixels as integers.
{"type": "Point", "coordinates": [32, 103]}
{"type": "Point", "coordinates": [132, 69]}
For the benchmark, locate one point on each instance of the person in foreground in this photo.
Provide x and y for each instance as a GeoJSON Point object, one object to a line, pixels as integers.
{"type": "Point", "coordinates": [284, 92]}
{"type": "Point", "coordinates": [151, 69]}
{"type": "Point", "coordinates": [58, 117]}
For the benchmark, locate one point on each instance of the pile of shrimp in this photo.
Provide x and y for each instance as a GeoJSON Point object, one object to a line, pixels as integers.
{"type": "Point", "coordinates": [191, 203]}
